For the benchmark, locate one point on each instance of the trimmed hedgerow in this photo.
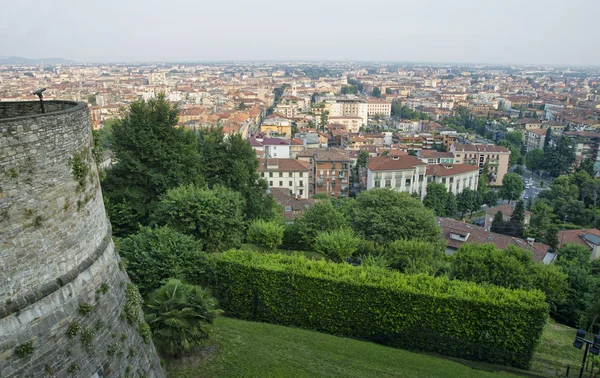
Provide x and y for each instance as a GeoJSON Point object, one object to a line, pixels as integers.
{"type": "Point", "coordinates": [419, 312]}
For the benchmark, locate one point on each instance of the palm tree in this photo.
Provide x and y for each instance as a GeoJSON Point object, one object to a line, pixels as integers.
{"type": "Point", "coordinates": [180, 316]}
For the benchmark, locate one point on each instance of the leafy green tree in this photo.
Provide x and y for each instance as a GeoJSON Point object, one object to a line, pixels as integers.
{"type": "Point", "coordinates": [484, 178]}
{"type": "Point", "coordinates": [154, 255]}
{"type": "Point", "coordinates": [559, 158]}
{"type": "Point", "coordinates": [92, 100]}
{"type": "Point", "coordinates": [383, 216]}
{"type": "Point", "coordinates": [214, 216]}
{"type": "Point", "coordinates": [553, 282]}
{"type": "Point", "coordinates": [575, 252]}
{"type": "Point", "coordinates": [518, 170]}
{"type": "Point", "coordinates": [514, 137]}
{"type": "Point", "coordinates": [337, 244]}
{"type": "Point", "coordinates": [551, 236]}
{"type": "Point", "coordinates": [541, 219]}
{"type": "Point", "coordinates": [268, 235]}
{"type": "Point", "coordinates": [580, 283]}
{"type": "Point", "coordinates": [437, 198]}
{"type": "Point", "coordinates": [468, 200]}
{"type": "Point", "coordinates": [512, 187]}
{"type": "Point", "coordinates": [376, 92]}
{"type": "Point", "coordinates": [490, 198]}
{"type": "Point", "coordinates": [498, 224]}
{"type": "Point", "coordinates": [548, 139]}
{"type": "Point", "coordinates": [322, 217]}
{"type": "Point", "coordinates": [413, 256]}
{"type": "Point", "coordinates": [450, 207]}
{"type": "Point", "coordinates": [180, 316]}
{"type": "Point", "coordinates": [152, 156]}
{"type": "Point", "coordinates": [241, 106]}
{"type": "Point", "coordinates": [516, 224]}
{"type": "Point", "coordinates": [363, 158]}
{"type": "Point", "coordinates": [587, 165]}
{"type": "Point", "coordinates": [231, 162]}
{"type": "Point", "coordinates": [324, 119]}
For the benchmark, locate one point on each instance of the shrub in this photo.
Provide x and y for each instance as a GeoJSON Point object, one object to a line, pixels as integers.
{"type": "Point", "coordinates": [413, 256]}
{"type": "Point", "coordinates": [323, 216]}
{"type": "Point", "coordinates": [155, 255]}
{"type": "Point", "coordinates": [432, 314]}
{"type": "Point", "coordinates": [268, 235]}
{"type": "Point", "coordinates": [337, 244]}
{"type": "Point", "coordinates": [24, 350]}
{"type": "Point", "coordinates": [214, 216]}
{"type": "Point", "coordinates": [180, 316]}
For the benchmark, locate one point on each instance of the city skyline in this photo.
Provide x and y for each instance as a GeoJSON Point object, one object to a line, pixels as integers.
{"type": "Point", "coordinates": [535, 33]}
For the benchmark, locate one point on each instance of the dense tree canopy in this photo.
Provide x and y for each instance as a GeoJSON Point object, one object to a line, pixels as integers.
{"type": "Point", "coordinates": [384, 216]}
{"type": "Point", "coordinates": [214, 216]}
{"type": "Point", "coordinates": [152, 156]}
{"type": "Point", "coordinates": [512, 187]}
{"type": "Point", "coordinates": [440, 200]}
{"type": "Point", "coordinates": [231, 161]}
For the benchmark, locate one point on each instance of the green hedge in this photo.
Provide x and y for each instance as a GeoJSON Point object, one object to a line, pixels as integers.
{"type": "Point", "coordinates": [419, 312]}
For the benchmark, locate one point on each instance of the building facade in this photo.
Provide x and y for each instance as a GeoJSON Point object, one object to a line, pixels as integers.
{"type": "Point", "coordinates": [535, 138]}
{"type": "Point", "coordinates": [329, 171]}
{"type": "Point", "coordinates": [402, 174]}
{"type": "Point", "coordinates": [456, 177]}
{"type": "Point", "coordinates": [497, 158]}
{"type": "Point", "coordinates": [289, 174]}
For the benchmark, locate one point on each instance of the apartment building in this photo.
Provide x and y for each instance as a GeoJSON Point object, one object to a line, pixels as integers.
{"type": "Point", "coordinates": [272, 147]}
{"type": "Point", "coordinates": [402, 174]}
{"type": "Point", "coordinates": [535, 138]}
{"type": "Point", "coordinates": [435, 157]}
{"type": "Point", "coordinates": [329, 171]}
{"type": "Point", "coordinates": [277, 127]}
{"type": "Point", "coordinates": [289, 174]}
{"type": "Point", "coordinates": [352, 123]}
{"type": "Point", "coordinates": [379, 107]}
{"type": "Point", "coordinates": [478, 154]}
{"type": "Point", "coordinates": [349, 107]}
{"type": "Point", "coordinates": [456, 177]}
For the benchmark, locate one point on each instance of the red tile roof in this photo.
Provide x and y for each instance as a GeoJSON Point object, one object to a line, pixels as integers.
{"type": "Point", "coordinates": [450, 169]}
{"type": "Point", "coordinates": [385, 163]}
{"type": "Point", "coordinates": [479, 235]}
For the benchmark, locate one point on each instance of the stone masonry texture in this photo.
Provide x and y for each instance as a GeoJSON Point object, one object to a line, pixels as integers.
{"type": "Point", "coordinates": [57, 256]}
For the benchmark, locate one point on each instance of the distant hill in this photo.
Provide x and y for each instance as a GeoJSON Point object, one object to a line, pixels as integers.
{"type": "Point", "coordinates": [19, 60]}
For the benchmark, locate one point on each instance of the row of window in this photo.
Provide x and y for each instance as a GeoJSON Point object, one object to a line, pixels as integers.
{"type": "Point", "coordinates": [291, 174]}
{"type": "Point", "coordinates": [290, 183]}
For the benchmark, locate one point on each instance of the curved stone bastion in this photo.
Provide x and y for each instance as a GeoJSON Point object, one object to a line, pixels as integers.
{"type": "Point", "coordinates": [66, 304]}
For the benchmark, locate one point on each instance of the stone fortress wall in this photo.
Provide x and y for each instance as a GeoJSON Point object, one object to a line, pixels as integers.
{"type": "Point", "coordinates": [66, 306]}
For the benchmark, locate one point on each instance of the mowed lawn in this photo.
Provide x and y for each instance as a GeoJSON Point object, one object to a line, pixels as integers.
{"type": "Point", "coordinates": [248, 349]}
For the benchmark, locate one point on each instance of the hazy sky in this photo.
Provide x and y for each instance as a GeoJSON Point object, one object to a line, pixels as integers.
{"type": "Point", "coordinates": [478, 31]}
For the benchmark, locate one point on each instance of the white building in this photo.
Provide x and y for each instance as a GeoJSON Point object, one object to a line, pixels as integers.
{"type": "Point", "coordinates": [379, 107]}
{"type": "Point", "coordinates": [349, 107]}
{"type": "Point", "coordinates": [291, 174]}
{"type": "Point", "coordinates": [402, 174]}
{"type": "Point", "coordinates": [456, 177]}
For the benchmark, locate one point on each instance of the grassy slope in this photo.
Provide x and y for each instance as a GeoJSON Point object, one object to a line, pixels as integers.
{"type": "Point", "coordinates": [556, 351]}
{"type": "Point", "coordinates": [248, 349]}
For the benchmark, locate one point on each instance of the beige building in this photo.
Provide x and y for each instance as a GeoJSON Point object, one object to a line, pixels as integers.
{"type": "Point", "coordinates": [290, 174]}
{"type": "Point", "coordinates": [402, 174]}
{"type": "Point", "coordinates": [349, 107]}
{"type": "Point", "coordinates": [352, 123]}
{"type": "Point", "coordinates": [535, 138]}
{"type": "Point", "coordinates": [478, 154]}
{"type": "Point", "coordinates": [456, 177]}
{"type": "Point", "coordinates": [381, 107]}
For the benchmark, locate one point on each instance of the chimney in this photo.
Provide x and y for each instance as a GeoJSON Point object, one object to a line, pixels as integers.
{"type": "Point", "coordinates": [530, 241]}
